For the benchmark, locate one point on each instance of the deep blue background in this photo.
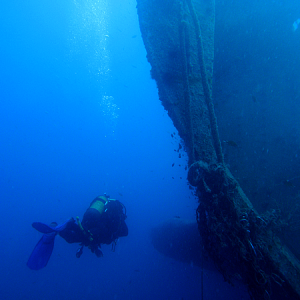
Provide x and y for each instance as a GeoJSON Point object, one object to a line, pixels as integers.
{"type": "Point", "coordinates": [80, 116]}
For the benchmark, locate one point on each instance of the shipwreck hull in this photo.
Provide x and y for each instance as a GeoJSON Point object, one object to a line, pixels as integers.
{"type": "Point", "coordinates": [168, 34]}
{"type": "Point", "coordinates": [178, 37]}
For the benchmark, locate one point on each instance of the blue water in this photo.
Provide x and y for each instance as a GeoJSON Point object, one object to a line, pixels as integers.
{"type": "Point", "coordinates": [80, 116]}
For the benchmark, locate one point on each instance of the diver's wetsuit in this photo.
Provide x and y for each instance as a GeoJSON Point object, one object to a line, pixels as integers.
{"type": "Point", "coordinates": [102, 223]}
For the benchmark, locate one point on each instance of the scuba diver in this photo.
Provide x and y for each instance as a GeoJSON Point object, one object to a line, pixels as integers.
{"type": "Point", "coordinates": [102, 223]}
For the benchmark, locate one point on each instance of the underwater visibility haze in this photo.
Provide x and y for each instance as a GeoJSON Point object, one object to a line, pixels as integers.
{"type": "Point", "coordinates": [80, 117]}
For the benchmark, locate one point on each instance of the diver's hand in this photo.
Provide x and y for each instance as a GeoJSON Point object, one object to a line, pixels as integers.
{"type": "Point", "coordinates": [79, 252]}
{"type": "Point", "coordinates": [98, 252]}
